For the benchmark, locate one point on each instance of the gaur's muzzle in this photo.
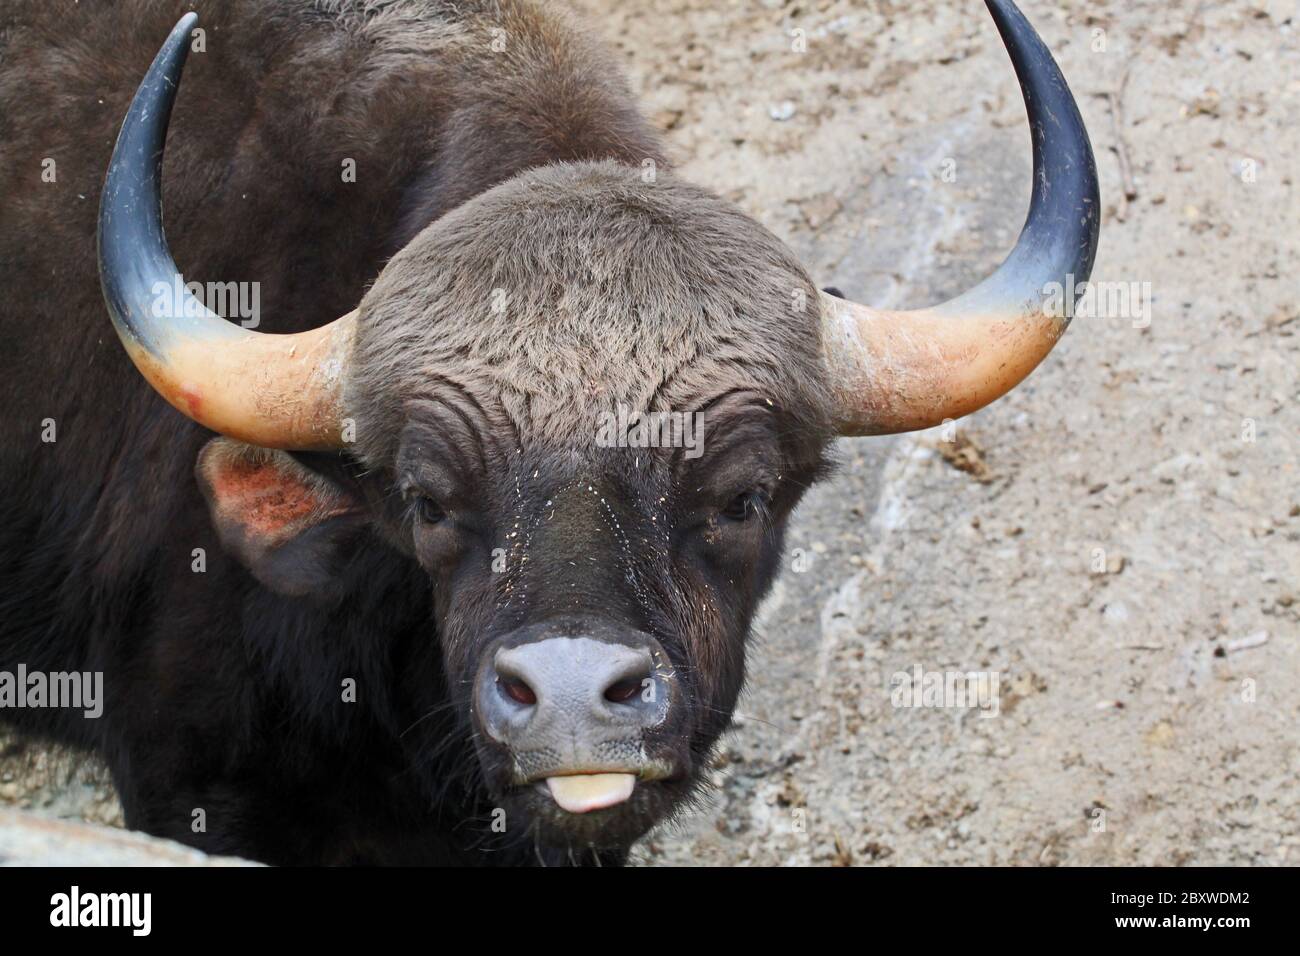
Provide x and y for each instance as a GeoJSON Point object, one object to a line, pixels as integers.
{"type": "Point", "coordinates": [575, 707]}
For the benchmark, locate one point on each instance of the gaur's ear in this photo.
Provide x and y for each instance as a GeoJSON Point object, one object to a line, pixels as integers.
{"type": "Point", "coordinates": [292, 527]}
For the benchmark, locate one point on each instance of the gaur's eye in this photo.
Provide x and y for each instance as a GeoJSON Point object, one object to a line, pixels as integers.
{"type": "Point", "coordinates": [429, 511]}
{"type": "Point", "coordinates": [744, 506]}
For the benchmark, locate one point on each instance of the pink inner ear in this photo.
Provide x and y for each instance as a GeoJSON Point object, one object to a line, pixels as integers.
{"type": "Point", "coordinates": [269, 502]}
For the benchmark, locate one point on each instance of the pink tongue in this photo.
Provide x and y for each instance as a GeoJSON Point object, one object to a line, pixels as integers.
{"type": "Point", "coordinates": [584, 792]}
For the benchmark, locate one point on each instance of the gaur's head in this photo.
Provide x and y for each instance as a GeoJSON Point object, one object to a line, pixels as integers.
{"type": "Point", "coordinates": [585, 403]}
{"type": "Point", "coordinates": [595, 574]}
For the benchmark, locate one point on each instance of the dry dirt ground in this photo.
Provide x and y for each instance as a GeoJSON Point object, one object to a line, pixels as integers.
{"type": "Point", "coordinates": [1118, 541]}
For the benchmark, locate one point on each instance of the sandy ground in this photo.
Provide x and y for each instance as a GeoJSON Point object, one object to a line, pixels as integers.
{"type": "Point", "coordinates": [1118, 540]}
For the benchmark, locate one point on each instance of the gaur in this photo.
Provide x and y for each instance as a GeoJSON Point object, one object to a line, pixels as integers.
{"type": "Point", "coordinates": [373, 589]}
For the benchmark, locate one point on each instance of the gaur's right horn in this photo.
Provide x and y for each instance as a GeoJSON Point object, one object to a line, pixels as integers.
{"type": "Point", "coordinates": [277, 391]}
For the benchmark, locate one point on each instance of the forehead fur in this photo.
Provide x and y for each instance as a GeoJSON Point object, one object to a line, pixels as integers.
{"type": "Point", "coordinates": [576, 288]}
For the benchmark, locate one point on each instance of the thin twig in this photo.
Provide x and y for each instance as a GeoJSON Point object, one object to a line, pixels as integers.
{"type": "Point", "coordinates": [1115, 98]}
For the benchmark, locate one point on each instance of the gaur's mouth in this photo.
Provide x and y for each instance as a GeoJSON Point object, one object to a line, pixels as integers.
{"type": "Point", "coordinates": [581, 792]}
{"type": "Point", "coordinates": [609, 808]}
{"type": "Point", "coordinates": [585, 792]}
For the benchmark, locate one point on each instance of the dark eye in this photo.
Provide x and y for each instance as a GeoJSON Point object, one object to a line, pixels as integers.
{"type": "Point", "coordinates": [744, 506]}
{"type": "Point", "coordinates": [429, 510]}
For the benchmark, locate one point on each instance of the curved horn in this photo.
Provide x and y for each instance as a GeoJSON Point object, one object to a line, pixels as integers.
{"type": "Point", "coordinates": [901, 371]}
{"type": "Point", "coordinates": [277, 391]}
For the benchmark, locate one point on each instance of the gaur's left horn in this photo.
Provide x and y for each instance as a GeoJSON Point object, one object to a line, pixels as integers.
{"type": "Point", "coordinates": [277, 391]}
{"type": "Point", "coordinates": [901, 371]}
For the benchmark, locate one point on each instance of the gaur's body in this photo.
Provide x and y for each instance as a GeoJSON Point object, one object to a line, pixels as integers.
{"type": "Point", "coordinates": [99, 526]}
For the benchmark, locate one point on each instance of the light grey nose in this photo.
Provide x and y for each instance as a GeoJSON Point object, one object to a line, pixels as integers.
{"type": "Point", "coordinates": [574, 704]}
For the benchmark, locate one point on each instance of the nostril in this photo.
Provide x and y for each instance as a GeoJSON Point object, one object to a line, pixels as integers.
{"type": "Point", "coordinates": [517, 691]}
{"type": "Point", "coordinates": [623, 691]}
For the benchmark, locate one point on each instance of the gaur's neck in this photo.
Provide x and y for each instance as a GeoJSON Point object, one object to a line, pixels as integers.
{"type": "Point", "coordinates": [550, 95]}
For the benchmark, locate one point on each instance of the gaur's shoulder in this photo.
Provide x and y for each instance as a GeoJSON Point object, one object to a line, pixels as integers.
{"type": "Point", "coordinates": [362, 36]}
{"type": "Point", "coordinates": [436, 100]}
